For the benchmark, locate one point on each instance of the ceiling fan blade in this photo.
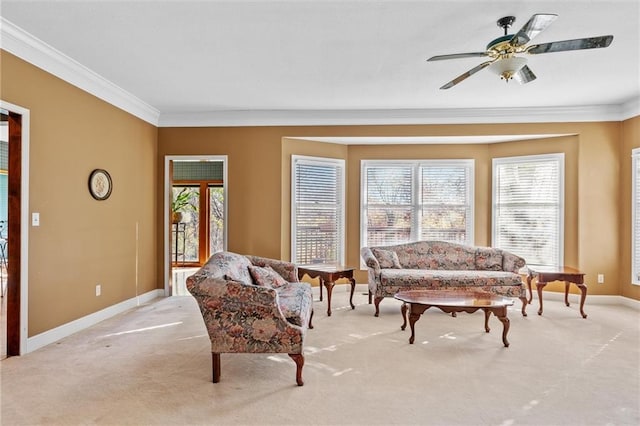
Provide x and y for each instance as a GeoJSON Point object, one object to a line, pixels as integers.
{"type": "Point", "coordinates": [577, 44]}
{"type": "Point", "coordinates": [457, 56]}
{"type": "Point", "coordinates": [524, 75]}
{"type": "Point", "coordinates": [538, 23]}
{"type": "Point", "coordinates": [466, 75]}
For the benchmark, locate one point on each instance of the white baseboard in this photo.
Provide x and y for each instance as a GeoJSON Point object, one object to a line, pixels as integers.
{"type": "Point", "coordinates": [595, 299]}
{"type": "Point", "coordinates": [55, 334]}
{"type": "Point", "coordinates": [592, 299]}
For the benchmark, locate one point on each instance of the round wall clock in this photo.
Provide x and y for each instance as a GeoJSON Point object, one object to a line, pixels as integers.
{"type": "Point", "coordinates": [100, 184]}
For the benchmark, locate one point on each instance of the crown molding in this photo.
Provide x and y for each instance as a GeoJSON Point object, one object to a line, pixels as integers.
{"type": "Point", "coordinates": [18, 42]}
{"type": "Point", "coordinates": [631, 108]}
{"type": "Point", "coordinates": [398, 116]}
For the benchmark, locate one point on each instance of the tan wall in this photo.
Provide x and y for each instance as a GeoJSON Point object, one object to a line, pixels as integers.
{"type": "Point", "coordinates": [82, 242]}
{"type": "Point", "coordinates": [592, 153]}
{"type": "Point", "coordinates": [630, 140]}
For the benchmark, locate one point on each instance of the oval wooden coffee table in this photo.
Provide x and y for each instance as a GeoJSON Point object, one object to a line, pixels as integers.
{"type": "Point", "coordinates": [451, 302]}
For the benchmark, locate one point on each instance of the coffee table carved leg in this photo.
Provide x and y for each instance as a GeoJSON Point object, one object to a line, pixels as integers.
{"type": "Point", "coordinates": [322, 283]}
{"type": "Point", "coordinates": [487, 314]}
{"type": "Point", "coordinates": [502, 316]}
{"type": "Point", "coordinates": [329, 285]}
{"type": "Point", "coordinates": [540, 286]}
{"type": "Point", "coordinates": [566, 293]}
{"type": "Point", "coordinates": [353, 288]}
{"type": "Point", "coordinates": [412, 321]}
{"type": "Point", "coordinates": [403, 310]}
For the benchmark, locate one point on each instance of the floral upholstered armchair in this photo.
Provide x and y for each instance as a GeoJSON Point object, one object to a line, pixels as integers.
{"type": "Point", "coordinates": [252, 304]}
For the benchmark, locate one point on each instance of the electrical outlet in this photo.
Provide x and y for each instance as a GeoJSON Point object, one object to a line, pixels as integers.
{"type": "Point", "coordinates": [600, 278]}
{"type": "Point", "coordinates": [98, 289]}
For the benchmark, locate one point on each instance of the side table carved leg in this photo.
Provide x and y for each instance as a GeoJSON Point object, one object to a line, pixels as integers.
{"type": "Point", "coordinates": [583, 297]}
{"type": "Point", "coordinates": [322, 283]}
{"type": "Point", "coordinates": [529, 279]}
{"type": "Point", "coordinates": [412, 321]}
{"type": "Point", "coordinates": [502, 316]}
{"type": "Point", "coordinates": [329, 285]}
{"type": "Point", "coordinates": [540, 286]}
{"type": "Point", "coordinates": [566, 293]}
{"type": "Point", "coordinates": [487, 314]}
{"type": "Point", "coordinates": [353, 288]}
{"type": "Point", "coordinates": [403, 311]}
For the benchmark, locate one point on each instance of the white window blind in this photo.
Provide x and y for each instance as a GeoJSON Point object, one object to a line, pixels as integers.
{"type": "Point", "coordinates": [410, 201]}
{"type": "Point", "coordinates": [635, 216]}
{"type": "Point", "coordinates": [389, 204]}
{"type": "Point", "coordinates": [317, 210]}
{"type": "Point", "coordinates": [528, 195]}
{"type": "Point", "coordinates": [446, 203]}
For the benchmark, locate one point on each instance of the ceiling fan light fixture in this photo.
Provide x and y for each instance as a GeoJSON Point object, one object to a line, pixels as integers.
{"type": "Point", "coordinates": [507, 67]}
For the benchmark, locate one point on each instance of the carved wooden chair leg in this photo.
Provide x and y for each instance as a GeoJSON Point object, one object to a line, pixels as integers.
{"type": "Point", "coordinates": [376, 302]}
{"type": "Point", "coordinates": [299, 360]}
{"type": "Point", "coordinates": [215, 366]}
{"type": "Point", "coordinates": [310, 319]}
{"type": "Point", "coordinates": [524, 306]}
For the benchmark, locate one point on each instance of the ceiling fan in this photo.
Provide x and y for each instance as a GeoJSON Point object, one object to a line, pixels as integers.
{"type": "Point", "coordinates": [503, 50]}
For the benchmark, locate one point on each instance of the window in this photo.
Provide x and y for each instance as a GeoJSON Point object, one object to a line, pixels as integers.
{"type": "Point", "coordinates": [405, 201]}
{"type": "Point", "coordinates": [635, 216]}
{"type": "Point", "coordinates": [317, 212]}
{"type": "Point", "coordinates": [528, 205]}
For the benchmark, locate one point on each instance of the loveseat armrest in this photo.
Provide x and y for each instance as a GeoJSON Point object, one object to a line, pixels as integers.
{"type": "Point", "coordinates": [288, 270]}
{"type": "Point", "coordinates": [512, 262]}
{"type": "Point", "coordinates": [370, 260]}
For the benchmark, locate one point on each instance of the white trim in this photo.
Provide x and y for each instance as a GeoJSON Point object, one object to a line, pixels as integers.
{"type": "Point", "coordinates": [55, 334]}
{"type": "Point", "coordinates": [167, 220]}
{"type": "Point", "coordinates": [15, 40]}
{"type": "Point", "coordinates": [589, 113]}
{"type": "Point", "coordinates": [24, 221]}
{"type": "Point", "coordinates": [526, 158]}
{"type": "Point", "coordinates": [596, 299]}
{"type": "Point", "coordinates": [630, 109]}
{"type": "Point", "coordinates": [635, 163]}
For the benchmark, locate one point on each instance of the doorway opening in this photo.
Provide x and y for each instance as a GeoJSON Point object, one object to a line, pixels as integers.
{"type": "Point", "coordinates": [14, 198]}
{"type": "Point", "coordinates": [196, 212]}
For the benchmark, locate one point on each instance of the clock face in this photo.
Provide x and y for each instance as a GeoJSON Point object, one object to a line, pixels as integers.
{"type": "Point", "coordinates": [100, 184]}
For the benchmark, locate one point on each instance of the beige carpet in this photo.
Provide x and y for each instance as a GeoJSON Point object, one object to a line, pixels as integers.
{"type": "Point", "coordinates": [152, 365]}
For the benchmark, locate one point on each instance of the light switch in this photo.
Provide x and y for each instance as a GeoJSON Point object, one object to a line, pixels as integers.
{"type": "Point", "coordinates": [35, 219]}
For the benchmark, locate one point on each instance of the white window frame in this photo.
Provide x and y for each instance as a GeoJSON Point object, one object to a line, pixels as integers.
{"type": "Point", "coordinates": [635, 211]}
{"type": "Point", "coordinates": [416, 185]}
{"type": "Point", "coordinates": [339, 163]}
{"type": "Point", "coordinates": [558, 157]}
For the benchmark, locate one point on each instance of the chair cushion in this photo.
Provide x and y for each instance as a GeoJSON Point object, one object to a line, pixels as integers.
{"type": "Point", "coordinates": [266, 277]}
{"type": "Point", "coordinates": [386, 258]}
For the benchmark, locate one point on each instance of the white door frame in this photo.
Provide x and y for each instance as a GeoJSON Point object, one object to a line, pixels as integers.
{"type": "Point", "coordinates": [167, 220]}
{"type": "Point", "coordinates": [24, 223]}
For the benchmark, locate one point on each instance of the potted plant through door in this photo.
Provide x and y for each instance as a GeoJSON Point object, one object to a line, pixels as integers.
{"type": "Point", "coordinates": [181, 203]}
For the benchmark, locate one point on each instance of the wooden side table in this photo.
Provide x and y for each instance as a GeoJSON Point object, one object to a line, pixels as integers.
{"type": "Point", "coordinates": [328, 274]}
{"type": "Point", "coordinates": [547, 274]}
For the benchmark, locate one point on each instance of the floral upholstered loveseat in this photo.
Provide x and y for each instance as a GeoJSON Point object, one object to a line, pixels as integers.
{"type": "Point", "coordinates": [441, 265]}
{"type": "Point", "coordinates": [252, 304]}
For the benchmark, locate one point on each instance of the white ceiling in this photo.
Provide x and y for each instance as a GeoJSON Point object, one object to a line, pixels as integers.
{"type": "Point", "coordinates": [336, 62]}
